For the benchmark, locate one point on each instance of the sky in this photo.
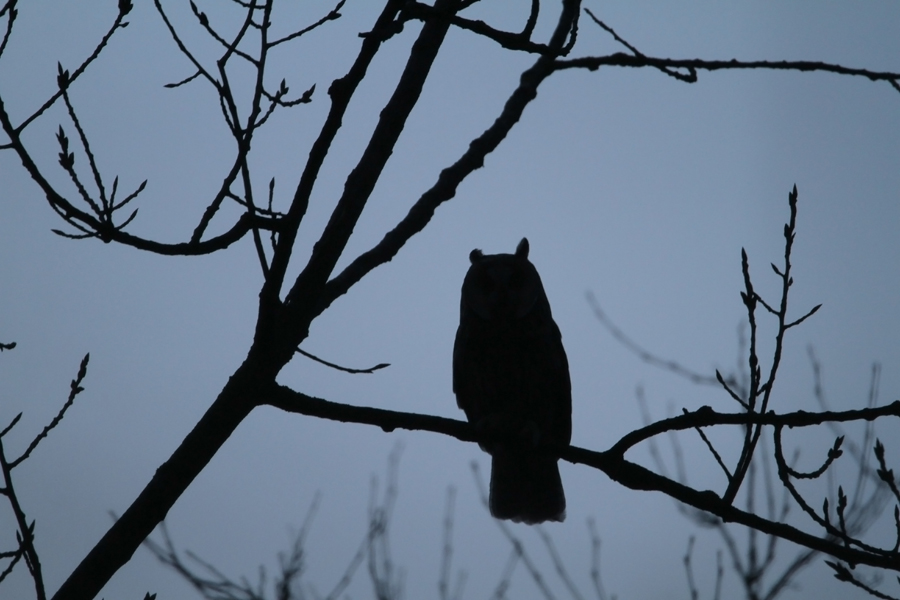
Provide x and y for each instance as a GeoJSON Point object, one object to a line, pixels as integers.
{"type": "Point", "coordinates": [628, 184]}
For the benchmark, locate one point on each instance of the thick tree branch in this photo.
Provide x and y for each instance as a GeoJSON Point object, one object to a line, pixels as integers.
{"type": "Point", "coordinates": [362, 179]}
{"type": "Point", "coordinates": [444, 189]}
{"type": "Point", "coordinates": [119, 543]}
{"type": "Point", "coordinates": [341, 92]}
{"type": "Point", "coordinates": [450, 178]}
{"type": "Point", "coordinates": [289, 400]}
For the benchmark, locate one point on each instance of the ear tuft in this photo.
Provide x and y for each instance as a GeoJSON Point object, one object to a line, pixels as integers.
{"type": "Point", "coordinates": [522, 249]}
{"type": "Point", "coordinates": [475, 255]}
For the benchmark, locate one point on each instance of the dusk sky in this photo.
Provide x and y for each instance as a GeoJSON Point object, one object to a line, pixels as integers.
{"type": "Point", "coordinates": [628, 184]}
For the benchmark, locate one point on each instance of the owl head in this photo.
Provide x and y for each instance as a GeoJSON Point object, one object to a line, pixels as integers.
{"type": "Point", "coordinates": [502, 287]}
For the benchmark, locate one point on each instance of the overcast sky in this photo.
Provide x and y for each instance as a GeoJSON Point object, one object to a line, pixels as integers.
{"type": "Point", "coordinates": [629, 184]}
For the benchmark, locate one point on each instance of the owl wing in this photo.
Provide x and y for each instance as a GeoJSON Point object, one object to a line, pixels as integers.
{"type": "Point", "coordinates": [465, 371]}
{"type": "Point", "coordinates": [544, 394]}
{"type": "Point", "coordinates": [517, 379]}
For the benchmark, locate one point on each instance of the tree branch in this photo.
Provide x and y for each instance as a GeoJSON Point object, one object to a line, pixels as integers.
{"type": "Point", "coordinates": [619, 59]}
{"type": "Point", "coordinates": [611, 462]}
{"type": "Point", "coordinates": [450, 178]}
{"type": "Point", "coordinates": [706, 417]}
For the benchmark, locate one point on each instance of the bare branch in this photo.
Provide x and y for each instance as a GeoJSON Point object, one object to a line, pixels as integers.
{"type": "Point", "coordinates": [25, 533]}
{"type": "Point", "coordinates": [706, 416]}
{"type": "Point", "coordinates": [757, 387]}
{"type": "Point", "coordinates": [331, 16]}
{"type": "Point", "coordinates": [842, 573]}
{"type": "Point", "coordinates": [444, 589]}
{"type": "Point", "coordinates": [9, 9]}
{"type": "Point", "coordinates": [558, 563]}
{"type": "Point", "coordinates": [627, 60]}
{"type": "Point", "coordinates": [712, 450]}
{"type": "Point", "coordinates": [97, 228]}
{"type": "Point", "coordinates": [595, 562]}
{"type": "Point", "coordinates": [691, 75]}
{"type": "Point", "coordinates": [341, 91]}
{"type": "Point", "coordinates": [833, 455]}
{"type": "Point", "coordinates": [184, 81]}
{"type": "Point", "coordinates": [445, 188]}
{"type": "Point", "coordinates": [75, 389]}
{"type": "Point", "coordinates": [201, 71]}
{"type": "Point", "coordinates": [731, 392]}
{"type": "Point", "coordinates": [692, 585]}
{"type": "Point", "coordinates": [12, 424]}
{"type": "Point", "coordinates": [645, 355]}
{"type": "Point", "coordinates": [812, 311]}
{"type": "Point", "coordinates": [518, 548]}
{"type": "Point", "coordinates": [340, 368]}
{"type": "Point", "coordinates": [230, 47]}
{"type": "Point", "coordinates": [85, 145]}
{"type": "Point", "coordinates": [506, 39]}
{"type": "Point", "coordinates": [360, 183]}
{"type": "Point", "coordinates": [624, 472]}
{"type": "Point", "coordinates": [118, 23]}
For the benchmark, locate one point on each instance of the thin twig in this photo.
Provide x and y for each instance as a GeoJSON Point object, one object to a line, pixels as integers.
{"type": "Point", "coordinates": [340, 368]}
{"type": "Point", "coordinates": [125, 7]}
{"type": "Point", "coordinates": [645, 355]}
{"type": "Point", "coordinates": [74, 389]}
{"type": "Point", "coordinates": [517, 545]}
{"type": "Point", "coordinates": [558, 563]}
{"type": "Point", "coordinates": [842, 573]}
{"type": "Point", "coordinates": [331, 16]}
{"type": "Point", "coordinates": [688, 569]}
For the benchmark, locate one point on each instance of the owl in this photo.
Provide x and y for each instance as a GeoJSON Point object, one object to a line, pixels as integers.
{"type": "Point", "coordinates": [511, 377]}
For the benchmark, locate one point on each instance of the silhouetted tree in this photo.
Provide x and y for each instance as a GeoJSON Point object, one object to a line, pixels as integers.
{"type": "Point", "coordinates": [94, 207]}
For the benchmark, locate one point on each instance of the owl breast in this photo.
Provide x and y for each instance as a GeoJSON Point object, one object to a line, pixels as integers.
{"type": "Point", "coordinates": [514, 371]}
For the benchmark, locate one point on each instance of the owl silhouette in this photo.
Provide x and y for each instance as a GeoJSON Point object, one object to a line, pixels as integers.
{"type": "Point", "coordinates": [511, 377]}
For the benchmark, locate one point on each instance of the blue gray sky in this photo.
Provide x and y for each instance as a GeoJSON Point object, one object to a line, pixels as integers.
{"type": "Point", "coordinates": [628, 184]}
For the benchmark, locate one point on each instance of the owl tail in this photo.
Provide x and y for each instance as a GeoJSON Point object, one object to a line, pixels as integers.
{"type": "Point", "coordinates": [526, 487]}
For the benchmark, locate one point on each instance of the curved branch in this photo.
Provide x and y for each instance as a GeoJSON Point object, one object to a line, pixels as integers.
{"type": "Point", "coordinates": [111, 233]}
{"type": "Point", "coordinates": [247, 222]}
